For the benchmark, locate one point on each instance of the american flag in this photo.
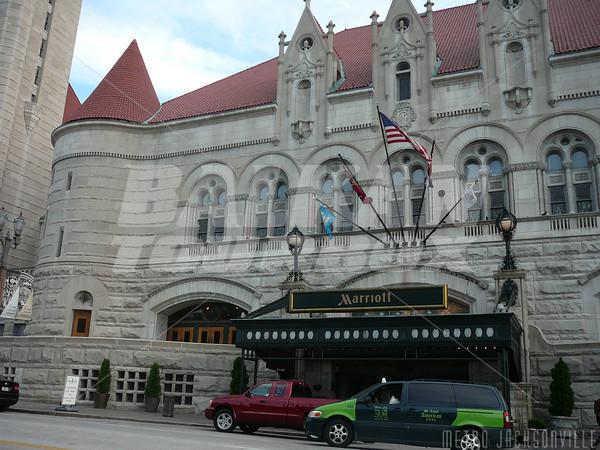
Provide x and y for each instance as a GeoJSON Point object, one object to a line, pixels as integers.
{"type": "Point", "coordinates": [394, 134]}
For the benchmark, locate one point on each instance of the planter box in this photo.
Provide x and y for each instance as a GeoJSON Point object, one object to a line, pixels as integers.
{"type": "Point", "coordinates": [565, 423]}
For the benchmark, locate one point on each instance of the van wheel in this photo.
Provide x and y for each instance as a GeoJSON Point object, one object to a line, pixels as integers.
{"type": "Point", "coordinates": [249, 429]}
{"type": "Point", "coordinates": [469, 440]}
{"type": "Point", "coordinates": [224, 421]}
{"type": "Point", "coordinates": [339, 433]}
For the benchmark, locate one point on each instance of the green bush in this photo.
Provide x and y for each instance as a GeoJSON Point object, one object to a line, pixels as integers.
{"type": "Point", "coordinates": [234, 387]}
{"type": "Point", "coordinates": [536, 424]}
{"type": "Point", "coordinates": [104, 378]}
{"type": "Point", "coordinates": [561, 394]}
{"type": "Point", "coordinates": [153, 382]}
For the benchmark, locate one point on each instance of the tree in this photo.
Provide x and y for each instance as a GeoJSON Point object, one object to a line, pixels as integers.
{"type": "Point", "coordinates": [561, 394]}
{"type": "Point", "coordinates": [153, 389]}
{"type": "Point", "coordinates": [104, 378]}
{"type": "Point", "coordinates": [236, 373]}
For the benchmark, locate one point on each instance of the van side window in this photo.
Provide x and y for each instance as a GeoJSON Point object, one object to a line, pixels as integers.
{"type": "Point", "coordinates": [301, 390]}
{"type": "Point", "coordinates": [261, 390]}
{"type": "Point", "coordinates": [476, 397]}
{"type": "Point", "coordinates": [431, 394]}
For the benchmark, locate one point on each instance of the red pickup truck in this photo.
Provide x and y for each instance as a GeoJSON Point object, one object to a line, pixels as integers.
{"type": "Point", "coordinates": [279, 404]}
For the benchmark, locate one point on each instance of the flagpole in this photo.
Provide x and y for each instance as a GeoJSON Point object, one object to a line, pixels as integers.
{"type": "Point", "coordinates": [387, 154]}
{"type": "Point", "coordinates": [370, 204]}
{"type": "Point", "coordinates": [355, 224]}
{"type": "Point", "coordinates": [445, 217]}
{"type": "Point", "coordinates": [427, 181]}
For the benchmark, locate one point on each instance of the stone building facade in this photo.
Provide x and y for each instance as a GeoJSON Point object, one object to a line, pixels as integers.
{"type": "Point", "coordinates": [37, 39]}
{"type": "Point", "coordinates": [158, 213]}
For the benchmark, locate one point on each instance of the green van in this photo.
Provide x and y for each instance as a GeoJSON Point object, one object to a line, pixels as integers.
{"type": "Point", "coordinates": [423, 413]}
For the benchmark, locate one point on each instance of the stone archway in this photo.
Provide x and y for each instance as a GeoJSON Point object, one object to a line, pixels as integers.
{"type": "Point", "coordinates": [462, 288]}
{"type": "Point", "coordinates": [166, 300]}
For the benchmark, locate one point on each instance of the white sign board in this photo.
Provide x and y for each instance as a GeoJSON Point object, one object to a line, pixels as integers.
{"type": "Point", "coordinates": [71, 391]}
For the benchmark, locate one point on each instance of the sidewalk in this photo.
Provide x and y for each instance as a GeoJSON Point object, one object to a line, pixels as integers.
{"type": "Point", "coordinates": [180, 417]}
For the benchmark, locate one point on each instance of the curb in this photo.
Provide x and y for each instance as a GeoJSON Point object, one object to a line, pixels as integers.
{"type": "Point", "coordinates": [124, 419]}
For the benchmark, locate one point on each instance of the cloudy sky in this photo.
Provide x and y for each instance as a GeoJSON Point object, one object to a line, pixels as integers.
{"type": "Point", "coordinates": [188, 44]}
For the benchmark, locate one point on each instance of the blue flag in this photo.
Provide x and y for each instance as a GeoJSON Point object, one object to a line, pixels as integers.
{"type": "Point", "coordinates": [328, 218]}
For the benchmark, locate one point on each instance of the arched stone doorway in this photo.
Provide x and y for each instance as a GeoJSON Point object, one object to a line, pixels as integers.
{"type": "Point", "coordinates": [179, 305]}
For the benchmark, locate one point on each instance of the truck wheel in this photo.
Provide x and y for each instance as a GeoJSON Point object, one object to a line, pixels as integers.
{"type": "Point", "coordinates": [339, 433]}
{"type": "Point", "coordinates": [249, 429]}
{"type": "Point", "coordinates": [224, 421]}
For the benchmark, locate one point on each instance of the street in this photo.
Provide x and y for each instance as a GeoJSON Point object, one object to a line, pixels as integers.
{"type": "Point", "coordinates": [30, 431]}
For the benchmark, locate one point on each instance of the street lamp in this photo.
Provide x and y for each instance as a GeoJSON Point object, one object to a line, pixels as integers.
{"type": "Point", "coordinates": [6, 238]}
{"type": "Point", "coordinates": [295, 240]}
{"type": "Point", "coordinates": [506, 223]}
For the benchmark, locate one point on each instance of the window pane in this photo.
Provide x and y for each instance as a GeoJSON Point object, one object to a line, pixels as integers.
{"type": "Point", "coordinates": [496, 203]}
{"type": "Point", "coordinates": [348, 211]}
{"type": "Point", "coordinates": [418, 176]}
{"type": "Point", "coordinates": [496, 168]}
{"type": "Point", "coordinates": [580, 159]}
{"type": "Point", "coordinates": [398, 177]}
{"type": "Point", "coordinates": [282, 191]}
{"type": "Point", "coordinates": [222, 199]}
{"type": "Point", "coordinates": [346, 186]}
{"type": "Point", "coordinates": [472, 170]}
{"type": "Point", "coordinates": [206, 199]}
{"type": "Point", "coordinates": [558, 201]}
{"type": "Point", "coordinates": [431, 394]}
{"type": "Point", "coordinates": [280, 390]}
{"type": "Point", "coordinates": [389, 394]}
{"type": "Point", "coordinates": [219, 228]}
{"type": "Point", "coordinates": [554, 162]}
{"type": "Point", "coordinates": [476, 397]}
{"type": "Point", "coordinates": [474, 215]}
{"type": "Point", "coordinates": [301, 390]}
{"type": "Point", "coordinates": [261, 390]}
{"type": "Point", "coordinates": [403, 66]}
{"type": "Point", "coordinates": [327, 186]}
{"type": "Point", "coordinates": [397, 219]}
{"type": "Point", "coordinates": [415, 206]}
{"type": "Point", "coordinates": [261, 225]}
{"type": "Point", "coordinates": [280, 223]}
{"type": "Point", "coordinates": [81, 325]}
{"type": "Point", "coordinates": [202, 229]}
{"type": "Point", "coordinates": [403, 81]}
{"type": "Point", "coordinates": [583, 194]}
{"type": "Point", "coordinates": [263, 194]}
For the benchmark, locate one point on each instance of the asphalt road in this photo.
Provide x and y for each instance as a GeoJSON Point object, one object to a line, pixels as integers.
{"type": "Point", "coordinates": [29, 431]}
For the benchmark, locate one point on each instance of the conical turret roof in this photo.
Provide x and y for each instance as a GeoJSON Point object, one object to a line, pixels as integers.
{"type": "Point", "coordinates": [125, 93]}
{"type": "Point", "coordinates": [72, 104]}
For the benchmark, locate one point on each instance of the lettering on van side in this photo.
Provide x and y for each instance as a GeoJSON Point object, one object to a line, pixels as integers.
{"type": "Point", "coordinates": [431, 415]}
{"type": "Point", "coordinates": [380, 413]}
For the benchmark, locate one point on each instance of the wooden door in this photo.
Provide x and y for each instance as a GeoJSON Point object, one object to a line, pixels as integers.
{"type": "Point", "coordinates": [181, 334]}
{"type": "Point", "coordinates": [211, 335]}
{"type": "Point", "coordinates": [81, 323]}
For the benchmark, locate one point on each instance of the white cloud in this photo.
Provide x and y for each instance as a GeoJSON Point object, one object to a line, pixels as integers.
{"type": "Point", "coordinates": [188, 44]}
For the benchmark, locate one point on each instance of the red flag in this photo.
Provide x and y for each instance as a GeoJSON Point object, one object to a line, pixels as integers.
{"type": "Point", "coordinates": [355, 186]}
{"type": "Point", "coordinates": [394, 134]}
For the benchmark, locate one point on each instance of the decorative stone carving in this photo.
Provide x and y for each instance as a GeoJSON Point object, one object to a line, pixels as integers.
{"type": "Point", "coordinates": [403, 52]}
{"type": "Point", "coordinates": [32, 113]}
{"type": "Point", "coordinates": [302, 130]}
{"type": "Point", "coordinates": [404, 115]}
{"type": "Point", "coordinates": [518, 98]}
{"type": "Point", "coordinates": [533, 165]}
{"type": "Point", "coordinates": [237, 197]}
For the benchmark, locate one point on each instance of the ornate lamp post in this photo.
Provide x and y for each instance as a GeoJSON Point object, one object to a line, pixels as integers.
{"type": "Point", "coordinates": [295, 240]}
{"type": "Point", "coordinates": [6, 238]}
{"type": "Point", "coordinates": [506, 223]}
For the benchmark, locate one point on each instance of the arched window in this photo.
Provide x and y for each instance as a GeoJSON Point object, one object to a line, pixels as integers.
{"type": "Point", "coordinates": [212, 203]}
{"type": "Point", "coordinates": [496, 187]}
{"type": "Point", "coordinates": [280, 209]}
{"type": "Point", "coordinates": [336, 192]}
{"type": "Point", "coordinates": [472, 169]}
{"type": "Point", "coordinates": [582, 179]}
{"type": "Point", "coordinates": [515, 65]}
{"type": "Point", "coordinates": [417, 184]}
{"type": "Point", "coordinates": [403, 81]}
{"type": "Point", "coordinates": [346, 205]}
{"type": "Point", "coordinates": [556, 184]}
{"type": "Point", "coordinates": [397, 211]}
{"type": "Point", "coordinates": [262, 212]}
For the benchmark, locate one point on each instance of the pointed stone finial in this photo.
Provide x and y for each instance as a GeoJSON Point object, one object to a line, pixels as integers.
{"type": "Point", "coordinates": [330, 26]}
{"type": "Point", "coordinates": [374, 17]}
{"type": "Point", "coordinates": [307, 3]}
{"type": "Point", "coordinates": [429, 5]}
{"type": "Point", "coordinates": [282, 37]}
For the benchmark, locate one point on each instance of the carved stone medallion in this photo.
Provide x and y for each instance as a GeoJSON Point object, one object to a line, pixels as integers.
{"type": "Point", "coordinates": [404, 115]}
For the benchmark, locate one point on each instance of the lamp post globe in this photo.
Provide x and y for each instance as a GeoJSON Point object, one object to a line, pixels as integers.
{"type": "Point", "coordinates": [295, 240]}
{"type": "Point", "coordinates": [506, 223]}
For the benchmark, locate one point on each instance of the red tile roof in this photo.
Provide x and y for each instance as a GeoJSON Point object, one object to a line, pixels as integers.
{"type": "Point", "coordinates": [72, 104]}
{"type": "Point", "coordinates": [125, 93]}
{"type": "Point", "coordinates": [574, 24]}
{"type": "Point", "coordinates": [573, 27]}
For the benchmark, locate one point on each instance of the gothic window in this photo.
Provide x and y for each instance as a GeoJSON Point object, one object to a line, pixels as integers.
{"type": "Point", "coordinates": [485, 171]}
{"type": "Point", "coordinates": [515, 65]}
{"type": "Point", "coordinates": [403, 81]}
{"type": "Point", "coordinates": [346, 205]}
{"type": "Point", "coordinates": [271, 207]}
{"type": "Point", "coordinates": [336, 192]}
{"type": "Point", "coordinates": [570, 180]}
{"type": "Point", "coordinates": [417, 184]}
{"type": "Point", "coordinates": [397, 211]}
{"type": "Point", "coordinates": [212, 202]}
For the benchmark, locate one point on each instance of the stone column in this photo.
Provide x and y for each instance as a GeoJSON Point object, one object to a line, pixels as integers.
{"type": "Point", "coordinates": [539, 173]}
{"type": "Point", "coordinates": [235, 216]}
{"type": "Point", "coordinates": [336, 205]}
{"type": "Point", "coordinates": [211, 214]}
{"type": "Point", "coordinates": [408, 222]}
{"type": "Point", "coordinates": [300, 206]}
{"type": "Point", "coordinates": [572, 200]}
{"type": "Point", "coordinates": [270, 214]}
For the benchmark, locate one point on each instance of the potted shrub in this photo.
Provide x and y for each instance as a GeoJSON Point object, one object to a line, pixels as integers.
{"type": "Point", "coordinates": [103, 385]}
{"type": "Point", "coordinates": [152, 390]}
{"type": "Point", "coordinates": [236, 374]}
{"type": "Point", "coordinates": [562, 401]}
